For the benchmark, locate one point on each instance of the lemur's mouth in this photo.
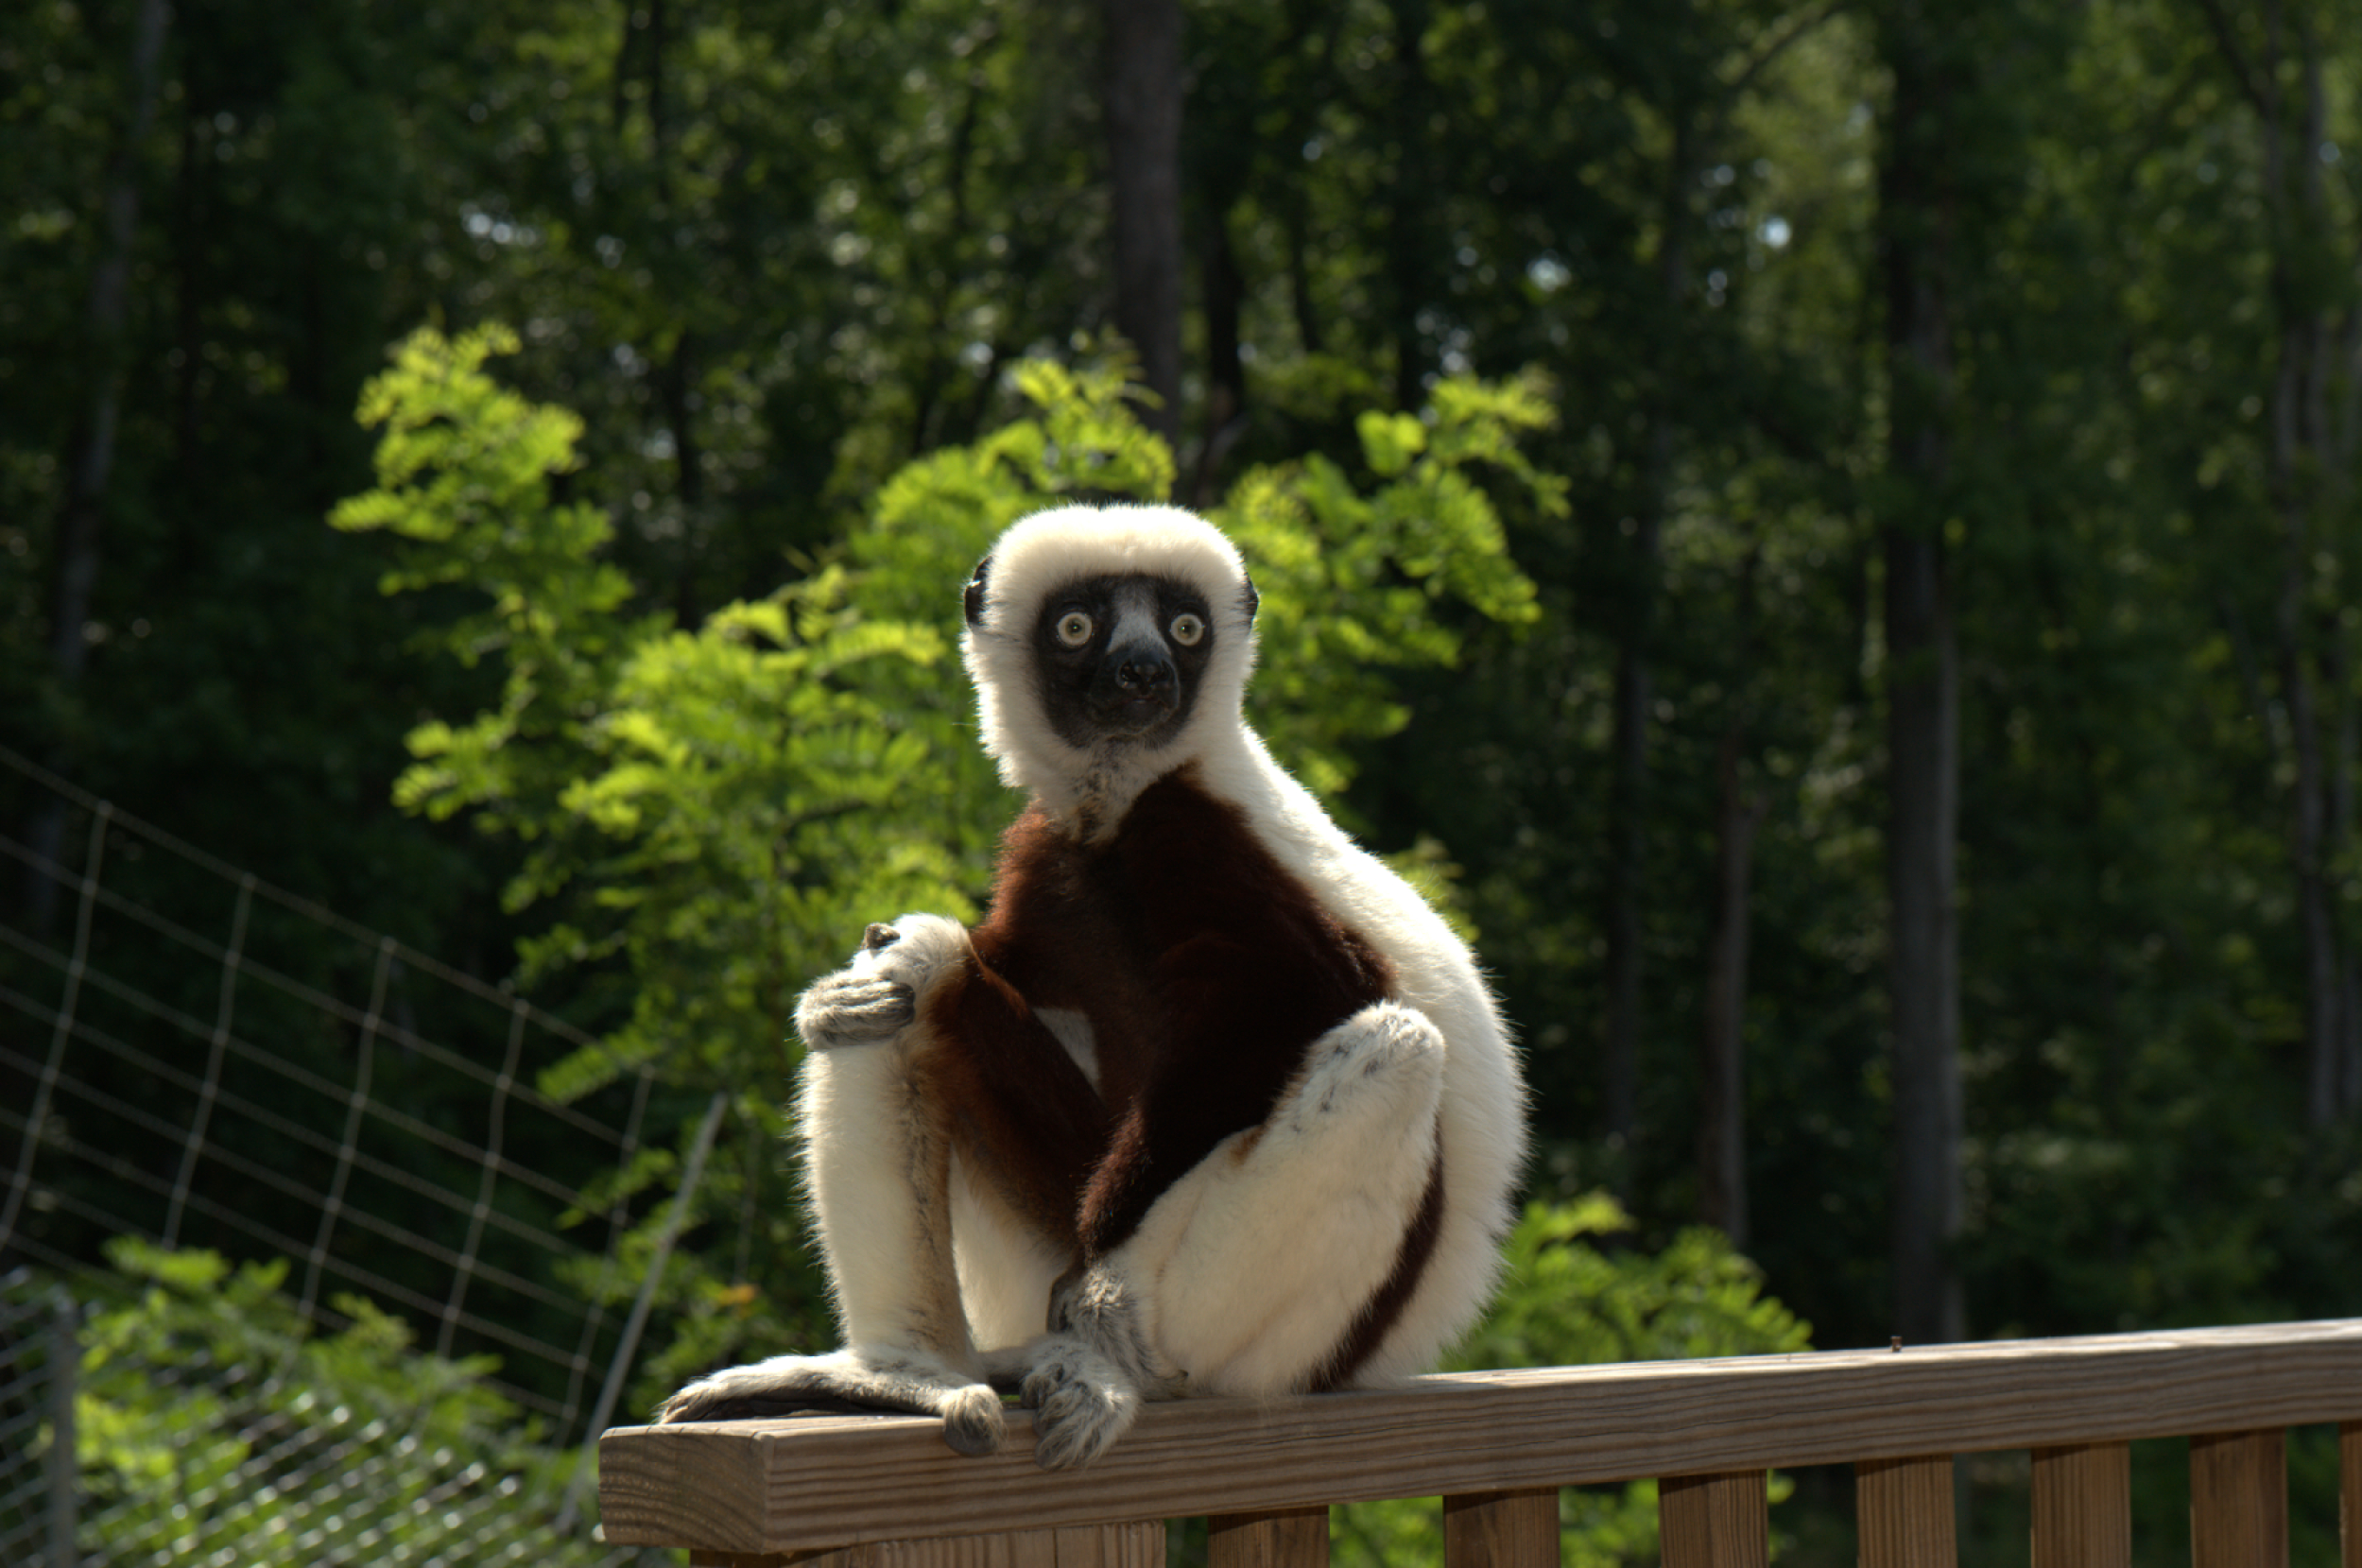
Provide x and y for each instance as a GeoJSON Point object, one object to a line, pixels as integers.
{"type": "Point", "coordinates": [1130, 717]}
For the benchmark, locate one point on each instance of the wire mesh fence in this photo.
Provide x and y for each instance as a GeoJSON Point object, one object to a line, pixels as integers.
{"type": "Point", "coordinates": [199, 1071]}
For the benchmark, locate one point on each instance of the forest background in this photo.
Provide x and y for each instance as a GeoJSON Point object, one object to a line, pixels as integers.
{"type": "Point", "coordinates": [1912, 821]}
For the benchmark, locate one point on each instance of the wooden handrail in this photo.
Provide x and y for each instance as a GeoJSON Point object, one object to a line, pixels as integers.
{"type": "Point", "coordinates": [1493, 1443]}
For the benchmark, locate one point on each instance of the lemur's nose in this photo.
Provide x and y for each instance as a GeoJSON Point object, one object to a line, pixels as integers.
{"type": "Point", "coordinates": [1144, 674]}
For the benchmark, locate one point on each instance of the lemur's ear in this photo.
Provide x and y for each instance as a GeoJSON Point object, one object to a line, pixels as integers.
{"type": "Point", "coordinates": [973, 596]}
{"type": "Point", "coordinates": [1252, 600]}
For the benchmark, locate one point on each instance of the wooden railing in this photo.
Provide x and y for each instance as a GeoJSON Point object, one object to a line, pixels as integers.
{"type": "Point", "coordinates": [1496, 1446]}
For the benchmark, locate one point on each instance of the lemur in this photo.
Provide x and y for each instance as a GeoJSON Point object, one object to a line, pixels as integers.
{"type": "Point", "coordinates": [1211, 1103]}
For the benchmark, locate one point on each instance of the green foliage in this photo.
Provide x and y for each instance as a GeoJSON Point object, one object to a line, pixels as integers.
{"type": "Point", "coordinates": [463, 478]}
{"type": "Point", "coordinates": [1692, 1297]}
{"type": "Point", "coordinates": [211, 1423]}
{"type": "Point", "coordinates": [1572, 1296]}
{"type": "Point", "coordinates": [1354, 584]}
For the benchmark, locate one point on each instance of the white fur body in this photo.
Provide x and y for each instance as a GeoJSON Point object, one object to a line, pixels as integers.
{"type": "Point", "coordinates": [1482, 1096]}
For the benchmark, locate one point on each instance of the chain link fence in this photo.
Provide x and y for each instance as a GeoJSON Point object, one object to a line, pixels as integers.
{"type": "Point", "coordinates": [337, 1318]}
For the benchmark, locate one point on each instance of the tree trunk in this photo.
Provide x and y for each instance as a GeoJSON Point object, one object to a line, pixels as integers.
{"type": "Point", "coordinates": [1143, 106]}
{"type": "Point", "coordinates": [1722, 1097]}
{"type": "Point", "coordinates": [1226, 368]}
{"type": "Point", "coordinates": [2309, 478]}
{"type": "Point", "coordinates": [1407, 220]}
{"type": "Point", "coordinates": [90, 466]}
{"type": "Point", "coordinates": [1634, 695]}
{"type": "Point", "coordinates": [1628, 836]}
{"type": "Point", "coordinates": [1722, 1058]}
{"type": "Point", "coordinates": [80, 522]}
{"type": "Point", "coordinates": [1922, 690]}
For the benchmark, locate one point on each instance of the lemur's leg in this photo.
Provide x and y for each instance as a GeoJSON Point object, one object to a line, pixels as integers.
{"type": "Point", "coordinates": [877, 1146]}
{"type": "Point", "coordinates": [1252, 1274]}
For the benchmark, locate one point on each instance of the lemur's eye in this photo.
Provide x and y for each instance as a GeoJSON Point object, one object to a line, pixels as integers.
{"type": "Point", "coordinates": [1073, 629]}
{"type": "Point", "coordinates": [1188, 630]}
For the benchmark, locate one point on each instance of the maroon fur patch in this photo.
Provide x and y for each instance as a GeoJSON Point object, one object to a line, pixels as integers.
{"type": "Point", "coordinates": [1207, 971]}
{"type": "Point", "coordinates": [1022, 1116]}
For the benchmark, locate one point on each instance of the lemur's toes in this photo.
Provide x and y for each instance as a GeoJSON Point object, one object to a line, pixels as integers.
{"type": "Point", "coordinates": [972, 1421]}
{"type": "Point", "coordinates": [1082, 1405]}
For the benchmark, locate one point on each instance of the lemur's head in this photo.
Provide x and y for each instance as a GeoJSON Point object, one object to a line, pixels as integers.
{"type": "Point", "coordinates": [1107, 646]}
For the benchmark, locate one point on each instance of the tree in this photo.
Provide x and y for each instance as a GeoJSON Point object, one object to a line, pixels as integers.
{"type": "Point", "coordinates": [1919, 208]}
{"type": "Point", "coordinates": [1140, 92]}
{"type": "Point", "coordinates": [2278, 65]}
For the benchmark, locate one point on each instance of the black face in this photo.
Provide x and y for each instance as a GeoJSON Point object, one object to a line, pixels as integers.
{"type": "Point", "coordinates": [1119, 658]}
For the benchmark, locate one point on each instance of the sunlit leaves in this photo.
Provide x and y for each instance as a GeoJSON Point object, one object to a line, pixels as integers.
{"type": "Point", "coordinates": [1352, 584]}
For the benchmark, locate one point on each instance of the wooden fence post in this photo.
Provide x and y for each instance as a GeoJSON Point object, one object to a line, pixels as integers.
{"type": "Point", "coordinates": [2083, 1505]}
{"type": "Point", "coordinates": [1715, 1520]}
{"type": "Point", "coordinates": [2239, 1500]}
{"type": "Point", "coordinates": [1286, 1538]}
{"type": "Point", "coordinates": [1502, 1529]}
{"type": "Point", "coordinates": [1903, 1511]}
{"type": "Point", "coordinates": [2349, 1493]}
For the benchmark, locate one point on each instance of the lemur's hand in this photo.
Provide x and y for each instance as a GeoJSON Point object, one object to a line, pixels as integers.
{"type": "Point", "coordinates": [877, 995]}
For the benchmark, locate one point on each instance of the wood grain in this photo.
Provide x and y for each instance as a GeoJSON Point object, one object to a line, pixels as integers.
{"type": "Point", "coordinates": [2083, 1505]}
{"type": "Point", "coordinates": [1904, 1512]}
{"type": "Point", "coordinates": [2350, 1495]}
{"type": "Point", "coordinates": [1286, 1538]}
{"type": "Point", "coordinates": [1140, 1544]}
{"type": "Point", "coordinates": [1502, 1529]}
{"type": "Point", "coordinates": [778, 1485]}
{"type": "Point", "coordinates": [1713, 1521]}
{"type": "Point", "coordinates": [2239, 1500]}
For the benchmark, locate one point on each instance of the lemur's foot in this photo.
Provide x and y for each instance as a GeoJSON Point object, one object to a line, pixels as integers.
{"type": "Point", "coordinates": [1083, 1402]}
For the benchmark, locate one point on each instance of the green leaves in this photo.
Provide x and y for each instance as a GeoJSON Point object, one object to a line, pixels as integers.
{"type": "Point", "coordinates": [1693, 1297]}
{"type": "Point", "coordinates": [464, 470]}
{"type": "Point", "coordinates": [1390, 442]}
{"type": "Point", "coordinates": [211, 1419]}
{"type": "Point", "coordinates": [1355, 585]}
